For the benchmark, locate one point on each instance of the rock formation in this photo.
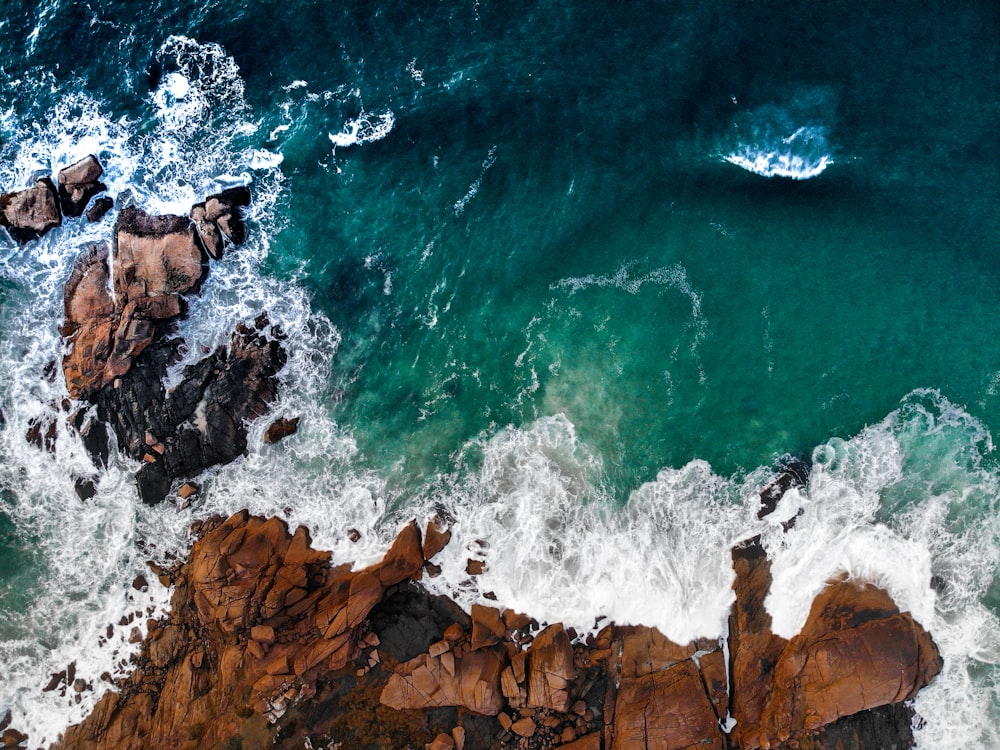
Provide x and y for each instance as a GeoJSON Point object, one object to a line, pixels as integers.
{"type": "Point", "coordinates": [269, 643]}
{"type": "Point", "coordinates": [119, 338]}
{"type": "Point", "coordinates": [78, 183]}
{"type": "Point", "coordinates": [28, 214]}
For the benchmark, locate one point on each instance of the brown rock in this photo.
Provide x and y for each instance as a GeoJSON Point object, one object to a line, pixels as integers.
{"type": "Point", "coordinates": [754, 649]}
{"type": "Point", "coordinates": [523, 727]}
{"type": "Point", "coordinates": [550, 669]}
{"type": "Point", "coordinates": [855, 652]}
{"type": "Point", "coordinates": [487, 626]}
{"type": "Point", "coordinates": [665, 710]}
{"type": "Point", "coordinates": [281, 428]}
{"type": "Point", "coordinates": [404, 559]}
{"type": "Point", "coordinates": [435, 539]}
{"type": "Point", "coordinates": [78, 183]}
{"type": "Point", "coordinates": [28, 214]}
{"type": "Point", "coordinates": [474, 683]}
{"type": "Point", "coordinates": [262, 633]}
{"type": "Point", "coordinates": [647, 650]}
{"type": "Point", "coordinates": [155, 255]}
{"type": "Point", "coordinates": [442, 742]}
{"type": "Point", "coordinates": [186, 490]}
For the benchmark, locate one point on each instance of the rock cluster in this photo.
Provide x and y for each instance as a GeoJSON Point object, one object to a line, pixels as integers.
{"type": "Point", "coordinates": [269, 643]}
{"type": "Point", "coordinates": [122, 301]}
{"type": "Point", "coordinates": [28, 214]}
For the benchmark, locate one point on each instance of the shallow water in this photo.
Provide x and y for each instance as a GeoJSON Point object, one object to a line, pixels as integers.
{"type": "Point", "coordinates": [573, 277]}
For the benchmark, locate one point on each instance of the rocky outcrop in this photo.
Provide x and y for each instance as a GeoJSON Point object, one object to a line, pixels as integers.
{"type": "Point", "coordinates": [28, 214]}
{"type": "Point", "coordinates": [203, 420]}
{"type": "Point", "coordinates": [157, 260]}
{"type": "Point", "coordinates": [220, 217]}
{"type": "Point", "coordinates": [78, 183]}
{"type": "Point", "coordinates": [257, 616]}
{"type": "Point", "coordinates": [270, 642]}
{"type": "Point", "coordinates": [119, 338]}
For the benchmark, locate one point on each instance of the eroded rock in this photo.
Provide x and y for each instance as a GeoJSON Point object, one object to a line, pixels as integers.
{"type": "Point", "coordinates": [78, 183]}
{"type": "Point", "coordinates": [30, 213]}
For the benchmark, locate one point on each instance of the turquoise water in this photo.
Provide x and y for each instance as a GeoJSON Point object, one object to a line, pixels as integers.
{"type": "Point", "coordinates": [571, 275]}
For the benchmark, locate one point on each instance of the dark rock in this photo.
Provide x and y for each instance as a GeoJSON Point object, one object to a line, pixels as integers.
{"type": "Point", "coordinates": [85, 488]}
{"type": "Point", "coordinates": [28, 214]}
{"type": "Point", "coordinates": [78, 183]}
{"type": "Point", "coordinates": [281, 428]}
{"type": "Point", "coordinates": [42, 433]}
{"type": "Point", "coordinates": [220, 216]}
{"type": "Point", "coordinates": [408, 621]}
{"type": "Point", "coordinates": [140, 583]}
{"type": "Point", "coordinates": [100, 208]}
{"type": "Point", "coordinates": [153, 483]}
{"type": "Point", "coordinates": [228, 390]}
{"type": "Point", "coordinates": [790, 472]}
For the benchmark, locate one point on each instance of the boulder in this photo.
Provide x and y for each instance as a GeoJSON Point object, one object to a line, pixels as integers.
{"type": "Point", "coordinates": [100, 208]}
{"type": "Point", "coordinates": [665, 710]}
{"type": "Point", "coordinates": [78, 183]}
{"type": "Point", "coordinates": [281, 428]}
{"type": "Point", "coordinates": [219, 216]}
{"type": "Point", "coordinates": [470, 680]}
{"type": "Point", "coordinates": [28, 214]}
{"type": "Point", "coordinates": [551, 670]}
{"type": "Point", "coordinates": [156, 255]}
{"type": "Point", "coordinates": [856, 652]}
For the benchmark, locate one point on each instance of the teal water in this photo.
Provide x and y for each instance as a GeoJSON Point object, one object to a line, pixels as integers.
{"type": "Point", "coordinates": [536, 281]}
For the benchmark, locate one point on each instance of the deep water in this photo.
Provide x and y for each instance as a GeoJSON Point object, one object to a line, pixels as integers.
{"type": "Point", "coordinates": [572, 276]}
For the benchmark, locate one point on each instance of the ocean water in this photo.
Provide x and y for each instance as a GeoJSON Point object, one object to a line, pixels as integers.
{"type": "Point", "coordinates": [571, 277]}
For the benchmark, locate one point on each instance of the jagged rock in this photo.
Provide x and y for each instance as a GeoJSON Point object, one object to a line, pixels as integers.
{"type": "Point", "coordinates": [471, 680]}
{"type": "Point", "coordinates": [281, 428]}
{"type": "Point", "coordinates": [257, 616]}
{"type": "Point", "coordinates": [220, 216]}
{"type": "Point", "coordinates": [855, 652]}
{"type": "Point", "coordinates": [78, 183]}
{"type": "Point", "coordinates": [550, 669]}
{"type": "Point", "coordinates": [100, 208]}
{"type": "Point", "coordinates": [487, 626]}
{"type": "Point", "coordinates": [665, 710]}
{"type": "Point", "coordinates": [435, 539]}
{"type": "Point", "coordinates": [203, 421]}
{"type": "Point", "coordinates": [754, 648]}
{"type": "Point", "coordinates": [647, 650]}
{"type": "Point", "coordinates": [28, 214]}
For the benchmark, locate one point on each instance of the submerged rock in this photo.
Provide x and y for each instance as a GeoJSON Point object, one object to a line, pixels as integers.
{"type": "Point", "coordinates": [28, 214]}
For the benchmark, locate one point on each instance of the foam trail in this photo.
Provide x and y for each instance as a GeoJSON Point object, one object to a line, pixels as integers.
{"type": "Point", "coordinates": [788, 141]}
{"type": "Point", "coordinates": [365, 128]}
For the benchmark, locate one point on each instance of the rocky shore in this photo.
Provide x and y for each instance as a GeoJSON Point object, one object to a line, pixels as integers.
{"type": "Point", "coordinates": [271, 643]}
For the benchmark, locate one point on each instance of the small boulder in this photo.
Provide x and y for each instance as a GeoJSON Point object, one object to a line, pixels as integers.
{"type": "Point", "coordinates": [78, 183]}
{"type": "Point", "coordinates": [281, 428]}
{"type": "Point", "coordinates": [28, 214]}
{"type": "Point", "coordinates": [100, 208]}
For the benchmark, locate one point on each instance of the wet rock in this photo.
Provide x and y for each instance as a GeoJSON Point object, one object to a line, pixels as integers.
{"type": "Point", "coordinates": [435, 539]}
{"type": "Point", "coordinates": [665, 710]}
{"type": "Point", "coordinates": [551, 670]}
{"type": "Point", "coordinates": [100, 208]}
{"type": "Point", "coordinates": [156, 255]}
{"type": "Point", "coordinates": [78, 183]}
{"type": "Point", "coordinates": [85, 488]}
{"type": "Point", "coordinates": [281, 428]}
{"type": "Point", "coordinates": [203, 421]}
{"type": "Point", "coordinates": [220, 216]}
{"type": "Point", "coordinates": [28, 214]}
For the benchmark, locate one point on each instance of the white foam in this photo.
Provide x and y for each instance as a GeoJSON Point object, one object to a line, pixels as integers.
{"type": "Point", "coordinates": [365, 128]}
{"type": "Point", "coordinates": [772, 141]}
{"type": "Point", "coordinates": [489, 161]}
